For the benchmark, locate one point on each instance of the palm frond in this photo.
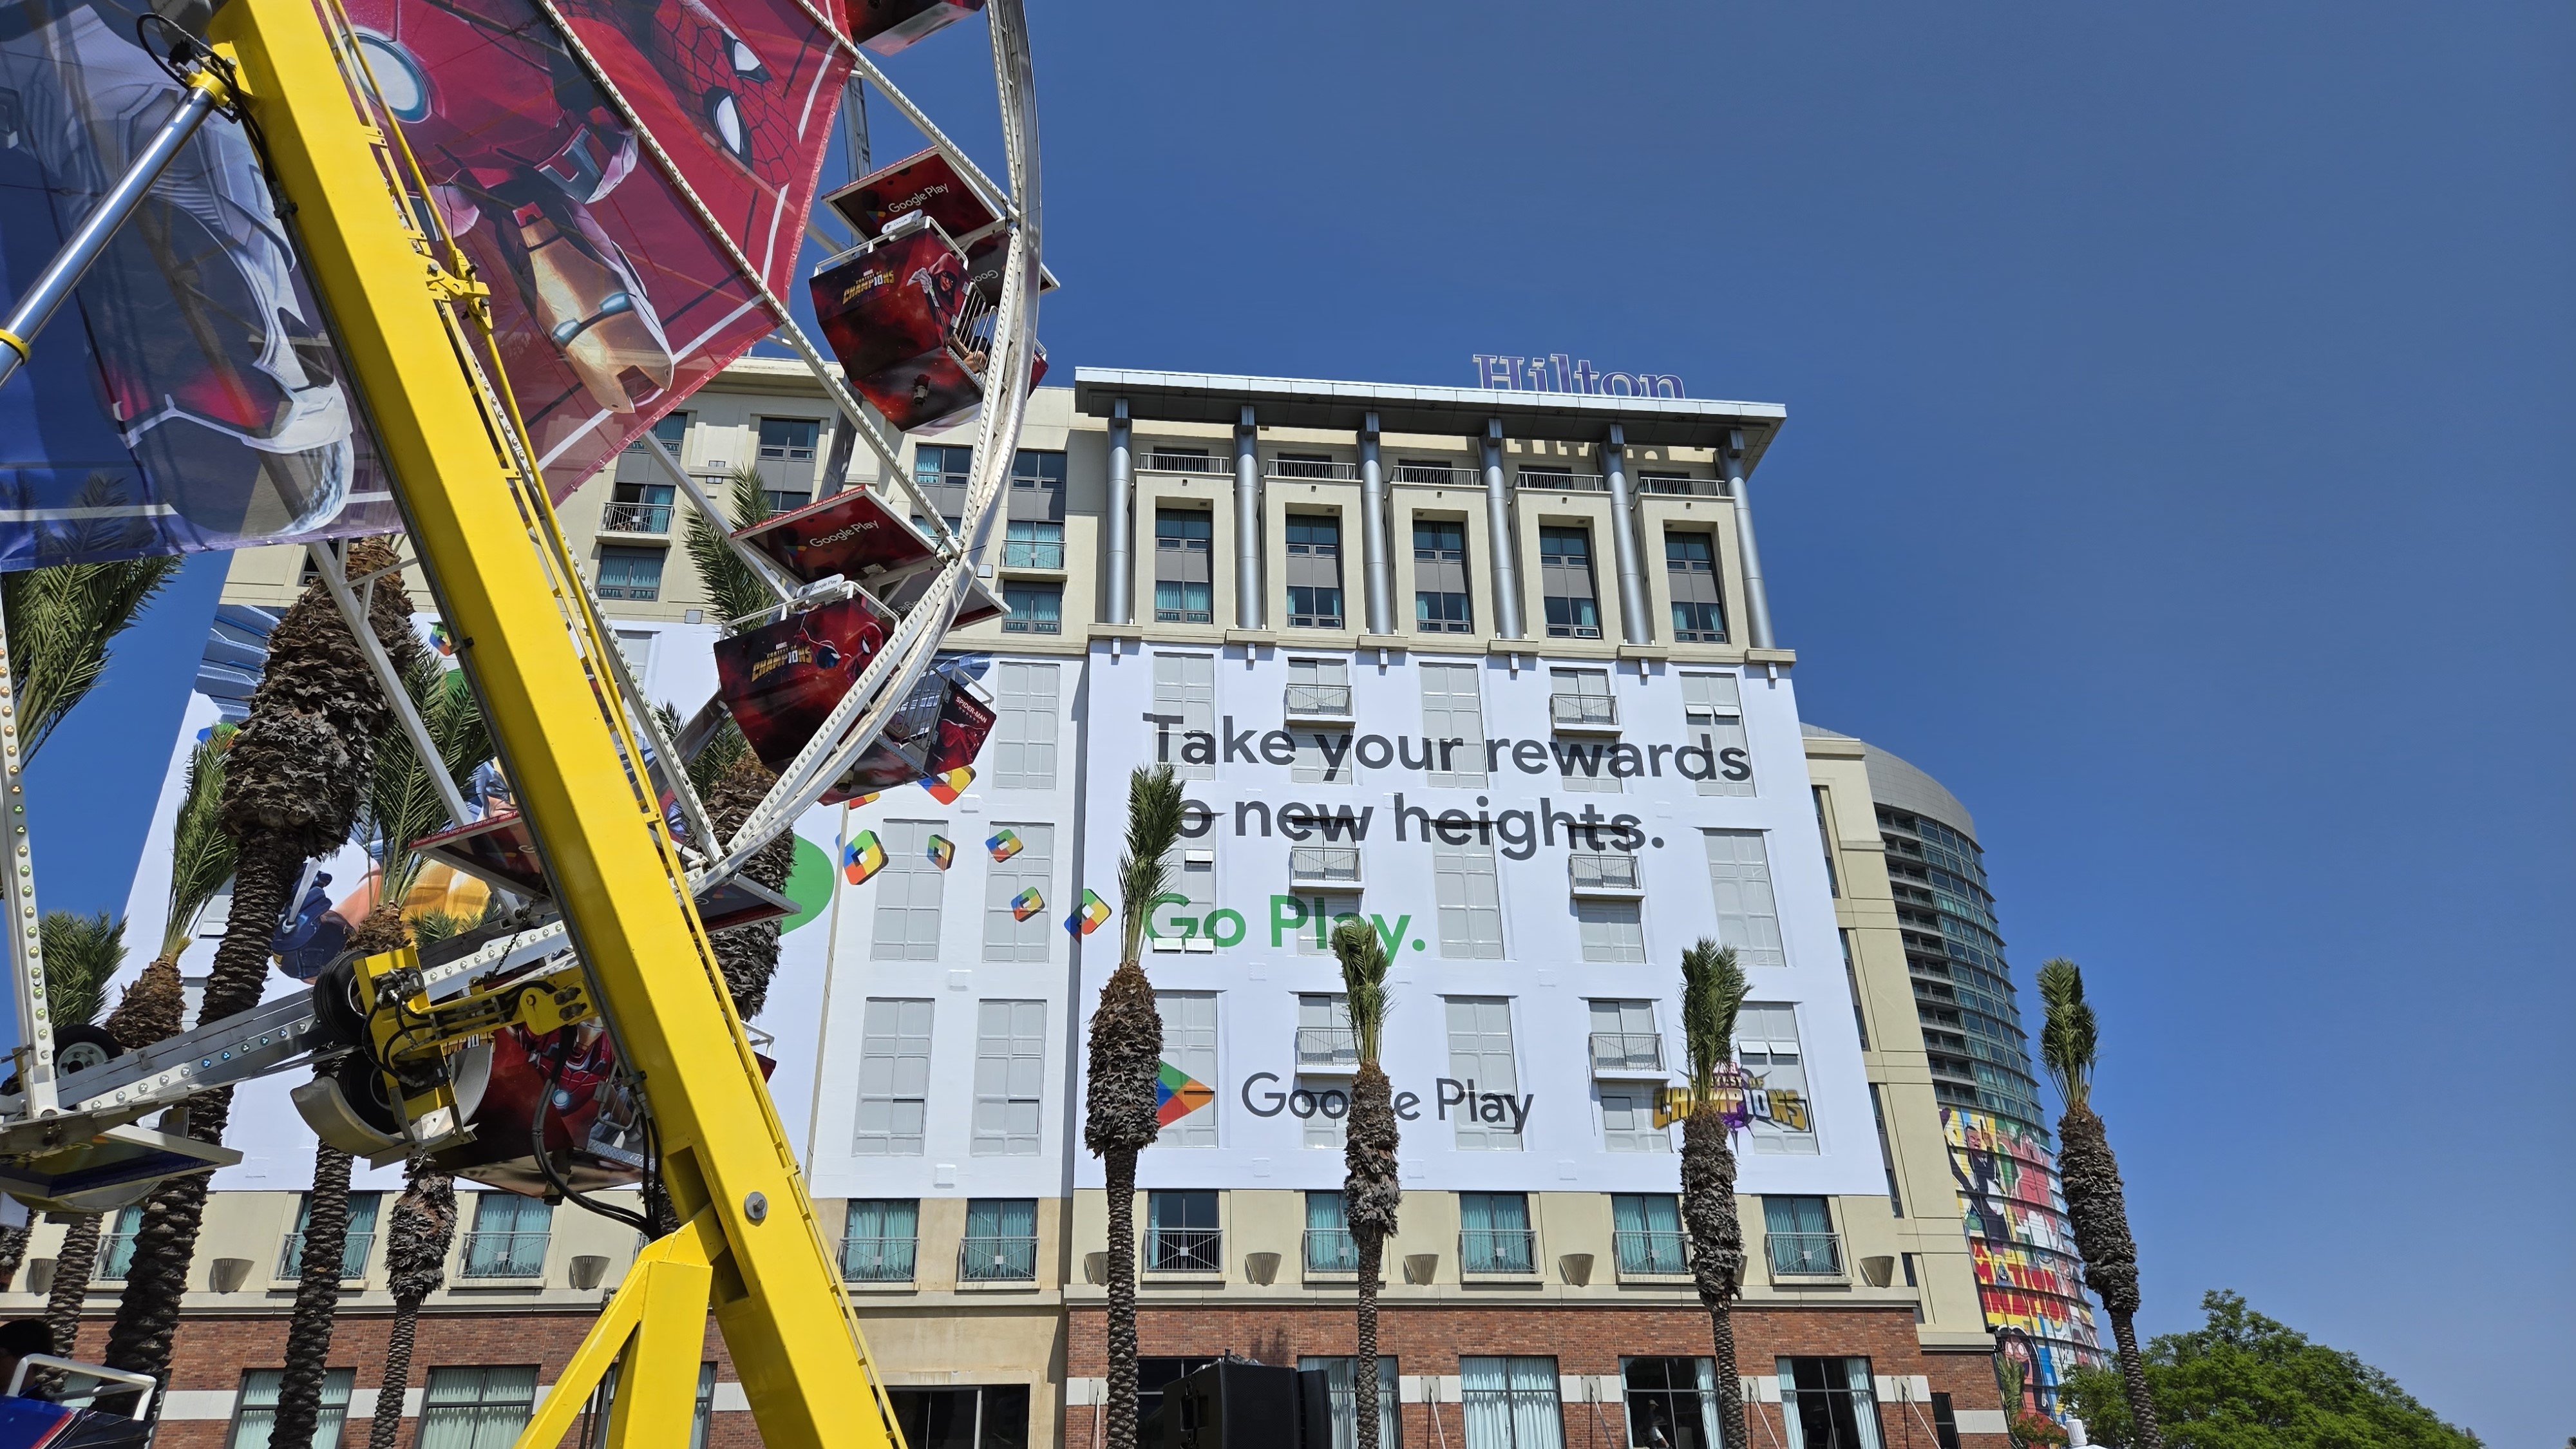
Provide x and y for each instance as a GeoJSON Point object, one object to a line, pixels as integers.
{"type": "Point", "coordinates": [1362, 952]}
{"type": "Point", "coordinates": [715, 757]}
{"type": "Point", "coordinates": [736, 588]}
{"type": "Point", "coordinates": [2069, 1040]}
{"type": "Point", "coordinates": [201, 854]}
{"type": "Point", "coordinates": [60, 621]}
{"type": "Point", "coordinates": [1153, 824]}
{"type": "Point", "coordinates": [81, 953]}
{"type": "Point", "coordinates": [1713, 989]}
{"type": "Point", "coordinates": [402, 803]}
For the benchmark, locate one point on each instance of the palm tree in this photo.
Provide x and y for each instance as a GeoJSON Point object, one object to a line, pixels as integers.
{"type": "Point", "coordinates": [735, 586]}
{"type": "Point", "coordinates": [2090, 1176]}
{"type": "Point", "coordinates": [1370, 1192]}
{"type": "Point", "coordinates": [292, 784]}
{"type": "Point", "coordinates": [81, 953]}
{"type": "Point", "coordinates": [417, 1235]}
{"type": "Point", "coordinates": [60, 620]}
{"type": "Point", "coordinates": [1126, 1059]}
{"type": "Point", "coordinates": [1713, 990]}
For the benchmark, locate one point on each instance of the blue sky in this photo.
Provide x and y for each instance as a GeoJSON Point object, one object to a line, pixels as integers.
{"type": "Point", "coordinates": [2168, 471]}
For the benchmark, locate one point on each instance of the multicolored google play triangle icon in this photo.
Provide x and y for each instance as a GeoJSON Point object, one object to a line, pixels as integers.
{"type": "Point", "coordinates": [1092, 914]}
{"type": "Point", "coordinates": [1004, 843]}
{"type": "Point", "coordinates": [942, 851]}
{"type": "Point", "coordinates": [946, 788]}
{"type": "Point", "coordinates": [1026, 904]}
{"type": "Point", "coordinates": [862, 857]}
{"type": "Point", "coordinates": [1177, 1094]}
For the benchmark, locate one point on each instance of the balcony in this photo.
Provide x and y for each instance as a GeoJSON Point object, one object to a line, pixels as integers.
{"type": "Point", "coordinates": [353, 1257]}
{"type": "Point", "coordinates": [884, 1260]}
{"type": "Point", "coordinates": [1003, 1259]}
{"type": "Point", "coordinates": [651, 519]}
{"type": "Point", "coordinates": [1627, 1054]}
{"type": "Point", "coordinates": [1435, 476]}
{"type": "Point", "coordinates": [505, 1255]}
{"type": "Point", "coordinates": [1330, 703]}
{"type": "Point", "coordinates": [1647, 1254]}
{"type": "Point", "coordinates": [1331, 1250]}
{"type": "Point", "coordinates": [1033, 553]}
{"type": "Point", "coordinates": [1498, 1252]}
{"type": "Point", "coordinates": [1611, 874]}
{"type": "Point", "coordinates": [1324, 867]}
{"type": "Point", "coordinates": [1312, 469]}
{"type": "Point", "coordinates": [1583, 711]}
{"type": "Point", "coordinates": [1688, 487]}
{"type": "Point", "coordinates": [1555, 480]}
{"type": "Point", "coordinates": [1806, 1255]}
{"type": "Point", "coordinates": [1186, 463]}
{"type": "Point", "coordinates": [1184, 1250]}
{"type": "Point", "coordinates": [1327, 1049]}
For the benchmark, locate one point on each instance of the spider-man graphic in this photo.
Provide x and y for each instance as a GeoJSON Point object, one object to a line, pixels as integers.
{"type": "Point", "coordinates": [781, 680]}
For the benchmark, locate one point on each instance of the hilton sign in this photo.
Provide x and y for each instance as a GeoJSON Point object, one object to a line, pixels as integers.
{"type": "Point", "coordinates": [1553, 373]}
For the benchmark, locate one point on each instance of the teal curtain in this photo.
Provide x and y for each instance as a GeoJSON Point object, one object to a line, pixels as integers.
{"type": "Point", "coordinates": [482, 1407]}
{"type": "Point", "coordinates": [257, 1414]}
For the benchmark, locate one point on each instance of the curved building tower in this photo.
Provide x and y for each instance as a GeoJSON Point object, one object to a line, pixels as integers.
{"type": "Point", "coordinates": [2028, 1273]}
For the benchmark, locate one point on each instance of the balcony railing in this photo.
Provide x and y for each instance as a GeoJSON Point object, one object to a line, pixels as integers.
{"type": "Point", "coordinates": [1318, 701]}
{"type": "Point", "coordinates": [1807, 1255]}
{"type": "Point", "coordinates": [1627, 1051]}
{"type": "Point", "coordinates": [353, 1256]}
{"type": "Point", "coordinates": [1498, 1250]}
{"type": "Point", "coordinates": [1326, 866]}
{"type": "Point", "coordinates": [1314, 468]}
{"type": "Point", "coordinates": [1702, 487]}
{"type": "Point", "coordinates": [1549, 479]}
{"type": "Point", "coordinates": [1005, 1259]}
{"type": "Point", "coordinates": [1436, 475]}
{"type": "Point", "coordinates": [1651, 1252]}
{"type": "Point", "coordinates": [1583, 711]}
{"type": "Point", "coordinates": [1327, 1046]}
{"type": "Point", "coordinates": [1185, 463]}
{"type": "Point", "coordinates": [1331, 1250]}
{"type": "Point", "coordinates": [505, 1255]}
{"type": "Point", "coordinates": [1184, 1250]}
{"type": "Point", "coordinates": [1609, 873]}
{"type": "Point", "coordinates": [879, 1260]}
{"type": "Point", "coordinates": [1033, 553]}
{"type": "Point", "coordinates": [652, 518]}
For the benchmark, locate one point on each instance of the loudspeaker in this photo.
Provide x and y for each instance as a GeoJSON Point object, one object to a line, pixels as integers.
{"type": "Point", "coordinates": [1239, 1404]}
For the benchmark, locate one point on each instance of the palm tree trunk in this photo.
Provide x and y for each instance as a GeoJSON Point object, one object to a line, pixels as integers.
{"type": "Point", "coordinates": [317, 1302]}
{"type": "Point", "coordinates": [1371, 1194]}
{"type": "Point", "coordinates": [2133, 1382]}
{"type": "Point", "coordinates": [13, 1254]}
{"type": "Point", "coordinates": [2098, 1211]}
{"type": "Point", "coordinates": [1717, 1253]}
{"type": "Point", "coordinates": [1364, 1410]}
{"type": "Point", "coordinates": [386, 1427]}
{"type": "Point", "coordinates": [74, 1264]}
{"type": "Point", "coordinates": [1118, 1167]}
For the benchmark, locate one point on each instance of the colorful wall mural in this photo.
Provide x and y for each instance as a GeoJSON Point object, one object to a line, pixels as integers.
{"type": "Point", "coordinates": [2029, 1276]}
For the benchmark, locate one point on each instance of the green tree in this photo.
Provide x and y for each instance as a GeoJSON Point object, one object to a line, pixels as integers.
{"type": "Point", "coordinates": [81, 954]}
{"type": "Point", "coordinates": [60, 621]}
{"type": "Point", "coordinates": [1713, 988]}
{"type": "Point", "coordinates": [2069, 1043]}
{"type": "Point", "coordinates": [1126, 1059]}
{"type": "Point", "coordinates": [1370, 1191]}
{"type": "Point", "coordinates": [2244, 1381]}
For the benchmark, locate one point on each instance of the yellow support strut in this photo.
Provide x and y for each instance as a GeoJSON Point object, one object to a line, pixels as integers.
{"type": "Point", "coordinates": [497, 565]}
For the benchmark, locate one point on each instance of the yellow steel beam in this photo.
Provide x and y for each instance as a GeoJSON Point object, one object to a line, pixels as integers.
{"type": "Point", "coordinates": [495, 562]}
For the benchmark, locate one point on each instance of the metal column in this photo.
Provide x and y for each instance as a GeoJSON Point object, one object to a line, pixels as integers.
{"type": "Point", "coordinates": [1757, 603]}
{"type": "Point", "coordinates": [1498, 521]}
{"type": "Point", "coordinates": [1122, 488]}
{"type": "Point", "coordinates": [1623, 540]}
{"type": "Point", "coordinates": [1247, 522]}
{"type": "Point", "coordinates": [1373, 555]}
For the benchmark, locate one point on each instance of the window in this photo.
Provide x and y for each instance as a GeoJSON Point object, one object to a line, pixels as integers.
{"type": "Point", "coordinates": [1611, 930]}
{"type": "Point", "coordinates": [894, 1078]}
{"type": "Point", "coordinates": [1017, 926]}
{"type": "Point", "coordinates": [1189, 1047]}
{"type": "Point", "coordinates": [257, 1415]}
{"type": "Point", "coordinates": [1329, 1248]}
{"type": "Point", "coordinates": [509, 1236]}
{"type": "Point", "coordinates": [1314, 571]}
{"type": "Point", "coordinates": [1001, 1242]}
{"type": "Point", "coordinates": [1480, 1055]}
{"type": "Point", "coordinates": [670, 431]}
{"type": "Point", "coordinates": [1440, 575]}
{"type": "Point", "coordinates": [116, 1246]}
{"type": "Point", "coordinates": [1672, 1402]}
{"type": "Point", "coordinates": [1825, 838]}
{"type": "Point", "coordinates": [1828, 1403]}
{"type": "Point", "coordinates": [1690, 567]}
{"type": "Point", "coordinates": [995, 1416]}
{"type": "Point", "coordinates": [1625, 1037]}
{"type": "Point", "coordinates": [1766, 1046]}
{"type": "Point", "coordinates": [1646, 1232]}
{"type": "Point", "coordinates": [1324, 1035]}
{"type": "Point", "coordinates": [1037, 492]}
{"type": "Point", "coordinates": [636, 646]}
{"type": "Point", "coordinates": [1035, 608]}
{"type": "Point", "coordinates": [1470, 900]}
{"type": "Point", "coordinates": [789, 440]}
{"type": "Point", "coordinates": [941, 474]}
{"type": "Point", "coordinates": [1025, 734]}
{"type": "Point", "coordinates": [908, 891]}
{"type": "Point", "coordinates": [1153, 1375]}
{"type": "Point", "coordinates": [1185, 685]}
{"type": "Point", "coordinates": [1945, 1421]}
{"type": "Point", "coordinates": [353, 1255]}
{"type": "Point", "coordinates": [1010, 1069]}
{"type": "Point", "coordinates": [638, 508]}
{"type": "Point", "coordinates": [1800, 1232]}
{"type": "Point", "coordinates": [1739, 872]}
{"type": "Point", "coordinates": [1580, 698]}
{"type": "Point", "coordinates": [1452, 710]}
{"type": "Point", "coordinates": [1628, 1121]}
{"type": "Point", "coordinates": [1713, 717]}
{"type": "Point", "coordinates": [1887, 1159]}
{"type": "Point", "coordinates": [479, 1406]}
{"type": "Point", "coordinates": [1183, 588]}
{"type": "Point", "coordinates": [1318, 688]}
{"type": "Point", "coordinates": [1494, 1233]}
{"type": "Point", "coordinates": [1565, 583]}
{"type": "Point", "coordinates": [1345, 1396]}
{"type": "Point", "coordinates": [1510, 1403]}
{"type": "Point", "coordinates": [1033, 544]}
{"type": "Point", "coordinates": [878, 1239]}
{"type": "Point", "coordinates": [1181, 1233]}
{"type": "Point", "coordinates": [630, 573]}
